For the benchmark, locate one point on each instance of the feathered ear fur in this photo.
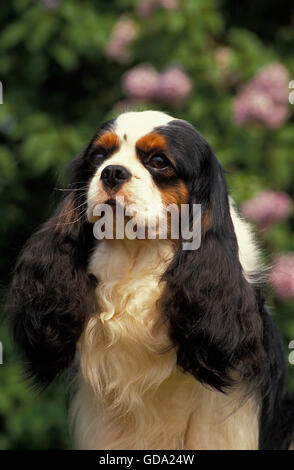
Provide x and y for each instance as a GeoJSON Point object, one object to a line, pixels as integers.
{"type": "Point", "coordinates": [211, 308]}
{"type": "Point", "coordinates": [51, 292]}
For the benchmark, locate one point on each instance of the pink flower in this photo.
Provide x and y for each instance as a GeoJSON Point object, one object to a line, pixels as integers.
{"type": "Point", "coordinates": [252, 105]}
{"type": "Point", "coordinates": [146, 8]}
{"type": "Point", "coordinates": [264, 99]}
{"type": "Point", "coordinates": [174, 86]}
{"type": "Point", "coordinates": [144, 83]}
{"type": "Point", "coordinates": [278, 117]}
{"type": "Point", "coordinates": [121, 37]}
{"type": "Point", "coordinates": [169, 4]}
{"type": "Point", "coordinates": [50, 4]}
{"type": "Point", "coordinates": [141, 82]}
{"type": "Point", "coordinates": [267, 207]}
{"type": "Point", "coordinates": [274, 79]}
{"type": "Point", "coordinates": [282, 276]}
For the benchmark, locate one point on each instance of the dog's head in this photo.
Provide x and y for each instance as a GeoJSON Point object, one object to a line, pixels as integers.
{"type": "Point", "coordinates": [153, 161]}
{"type": "Point", "coordinates": [134, 161]}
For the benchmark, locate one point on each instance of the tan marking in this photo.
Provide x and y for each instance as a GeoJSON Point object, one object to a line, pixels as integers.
{"type": "Point", "coordinates": [151, 142]}
{"type": "Point", "coordinates": [109, 141]}
{"type": "Point", "coordinates": [207, 221]}
{"type": "Point", "coordinates": [177, 194]}
{"type": "Point", "coordinates": [174, 195]}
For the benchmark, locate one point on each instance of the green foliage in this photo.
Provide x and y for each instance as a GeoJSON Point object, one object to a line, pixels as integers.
{"type": "Point", "coordinates": [29, 419]}
{"type": "Point", "coordinates": [58, 86]}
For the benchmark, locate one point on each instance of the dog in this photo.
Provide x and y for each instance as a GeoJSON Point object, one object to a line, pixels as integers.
{"type": "Point", "coordinates": [169, 348]}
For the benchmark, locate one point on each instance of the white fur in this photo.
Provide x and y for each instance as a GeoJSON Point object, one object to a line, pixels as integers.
{"type": "Point", "coordinates": [249, 253]}
{"type": "Point", "coordinates": [130, 393]}
{"type": "Point", "coordinates": [137, 124]}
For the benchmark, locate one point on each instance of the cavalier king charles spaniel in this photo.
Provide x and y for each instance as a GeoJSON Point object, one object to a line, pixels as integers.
{"type": "Point", "coordinates": [168, 348]}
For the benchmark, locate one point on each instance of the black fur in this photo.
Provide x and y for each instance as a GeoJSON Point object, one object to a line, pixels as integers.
{"type": "Point", "coordinates": [218, 321]}
{"type": "Point", "coordinates": [51, 296]}
{"type": "Point", "coordinates": [211, 308]}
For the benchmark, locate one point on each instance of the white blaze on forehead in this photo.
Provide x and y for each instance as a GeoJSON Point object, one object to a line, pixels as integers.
{"type": "Point", "coordinates": [137, 124]}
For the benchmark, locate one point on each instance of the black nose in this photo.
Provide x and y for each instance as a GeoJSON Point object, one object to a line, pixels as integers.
{"type": "Point", "coordinates": [113, 176]}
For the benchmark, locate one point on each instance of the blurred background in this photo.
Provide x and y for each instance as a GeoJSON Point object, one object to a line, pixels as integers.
{"type": "Point", "coordinates": [66, 66]}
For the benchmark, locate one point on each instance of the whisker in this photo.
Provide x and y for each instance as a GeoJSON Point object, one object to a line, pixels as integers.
{"type": "Point", "coordinates": [89, 203]}
{"type": "Point", "coordinates": [70, 190]}
{"type": "Point", "coordinates": [78, 182]}
{"type": "Point", "coordinates": [72, 221]}
{"type": "Point", "coordinates": [81, 205]}
{"type": "Point", "coordinates": [71, 210]}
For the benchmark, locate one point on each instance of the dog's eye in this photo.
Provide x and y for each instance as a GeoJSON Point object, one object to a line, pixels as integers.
{"type": "Point", "coordinates": [159, 161]}
{"type": "Point", "coordinates": [97, 157]}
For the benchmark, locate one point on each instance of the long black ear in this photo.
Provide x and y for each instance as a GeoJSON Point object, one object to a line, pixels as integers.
{"type": "Point", "coordinates": [210, 306]}
{"type": "Point", "coordinates": [51, 292]}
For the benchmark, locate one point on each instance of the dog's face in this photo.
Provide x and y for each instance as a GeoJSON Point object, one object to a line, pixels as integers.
{"type": "Point", "coordinates": [134, 159]}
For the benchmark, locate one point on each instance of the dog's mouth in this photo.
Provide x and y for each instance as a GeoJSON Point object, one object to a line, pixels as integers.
{"type": "Point", "coordinates": [111, 202]}
{"type": "Point", "coordinates": [114, 204]}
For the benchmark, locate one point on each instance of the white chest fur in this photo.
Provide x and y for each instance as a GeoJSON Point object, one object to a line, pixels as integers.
{"type": "Point", "coordinates": [130, 393]}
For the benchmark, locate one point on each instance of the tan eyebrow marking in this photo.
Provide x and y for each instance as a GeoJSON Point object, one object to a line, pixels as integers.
{"type": "Point", "coordinates": [151, 142]}
{"type": "Point", "coordinates": [109, 141]}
